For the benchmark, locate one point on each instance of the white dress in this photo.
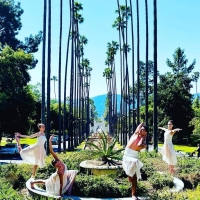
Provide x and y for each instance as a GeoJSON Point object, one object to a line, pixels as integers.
{"type": "Point", "coordinates": [35, 154]}
{"type": "Point", "coordinates": [53, 182]}
{"type": "Point", "coordinates": [168, 151]}
{"type": "Point", "coordinates": [131, 164]}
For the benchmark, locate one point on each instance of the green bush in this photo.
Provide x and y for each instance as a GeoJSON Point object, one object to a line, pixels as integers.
{"type": "Point", "coordinates": [159, 181]}
{"type": "Point", "coordinates": [104, 187]}
{"type": "Point", "coordinates": [15, 176]}
{"type": "Point", "coordinates": [7, 192]}
{"type": "Point", "coordinates": [191, 180]}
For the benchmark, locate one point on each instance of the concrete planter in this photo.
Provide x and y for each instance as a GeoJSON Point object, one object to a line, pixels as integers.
{"type": "Point", "coordinates": [97, 168]}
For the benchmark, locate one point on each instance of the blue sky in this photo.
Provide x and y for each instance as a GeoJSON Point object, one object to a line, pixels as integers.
{"type": "Point", "coordinates": [178, 26]}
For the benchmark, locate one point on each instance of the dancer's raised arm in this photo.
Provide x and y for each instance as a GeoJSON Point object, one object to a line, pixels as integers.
{"type": "Point", "coordinates": [51, 148]}
{"type": "Point", "coordinates": [138, 128]}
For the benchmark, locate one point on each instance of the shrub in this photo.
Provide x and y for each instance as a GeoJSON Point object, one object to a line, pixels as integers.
{"type": "Point", "coordinates": [159, 181]}
{"type": "Point", "coordinates": [7, 192]}
{"type": "Point", "coordinates": [104, 187]}
{"type": "Point", "coordinates": [191, 180]}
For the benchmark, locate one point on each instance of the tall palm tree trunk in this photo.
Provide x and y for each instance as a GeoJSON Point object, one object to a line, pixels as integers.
{"type": "Point", "coordinates": [49, 73]}
{"type": "Point", "coordinates": [59, 81]}
{"type": "Point", "coordinates": [147, 75]}
{"type": "Point", "coordinates": [155, 137]}
{"type": "Point", "coordinates": [43, 63]}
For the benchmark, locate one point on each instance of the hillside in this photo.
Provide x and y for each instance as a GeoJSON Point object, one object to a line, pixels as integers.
{"type": "Point", "coordinates": [99, 102]}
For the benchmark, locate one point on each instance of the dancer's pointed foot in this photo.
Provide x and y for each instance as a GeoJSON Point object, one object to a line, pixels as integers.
{"type": "Point", "coordinates": [134, 197]}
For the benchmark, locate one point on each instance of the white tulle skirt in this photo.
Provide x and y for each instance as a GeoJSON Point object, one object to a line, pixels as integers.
{"type": "Point", "coordinates": [53, 182]}
{"type": "Point", "coordinates": [34, 154]}
{"type": "Point", "coordinates": [169, 154]}
{"type": "Point", "coordinates": [131, 164]}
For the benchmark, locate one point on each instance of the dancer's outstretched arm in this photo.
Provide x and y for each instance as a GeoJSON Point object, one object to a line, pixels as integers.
{"type": "Point", "coordinates": [164, 129]}
{"type": "Point", "coordinates": [27, 136]}
{"type": "Point", "coordinates": [175, 130]}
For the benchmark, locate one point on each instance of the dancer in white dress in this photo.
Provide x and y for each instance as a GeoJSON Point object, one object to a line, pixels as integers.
{"type": "Point", "coordinates": [168, 151]}
{"type": "Point", "coordinates": [33, 154]}
{"type": "Point", "coordinates": [60, 181]}
{"type": "Point", "coordinates": [130, 163]}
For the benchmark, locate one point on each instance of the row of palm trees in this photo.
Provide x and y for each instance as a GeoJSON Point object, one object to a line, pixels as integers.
{"type": "Point", "coordinates": [130, 96]}
{"type": "Point", "coordinates": [77, 119]}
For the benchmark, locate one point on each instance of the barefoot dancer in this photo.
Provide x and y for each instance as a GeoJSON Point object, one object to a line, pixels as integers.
{"type": "Point", "coordinates": [60, 181]}
{"type": "Point", "coordinates": [33, 154]}
{"type": "Point", "coordinates": [131, 164]}
{"type": "Point", "coordinates": [168, 151]}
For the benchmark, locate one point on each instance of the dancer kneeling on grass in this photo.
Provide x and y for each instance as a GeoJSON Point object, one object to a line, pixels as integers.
{"type": "Point", "coordinates": [130, 163]}
{"type": "Point", "coordinates": [60, 181]}
{"type": "Point", "coordinates": [33, 154]}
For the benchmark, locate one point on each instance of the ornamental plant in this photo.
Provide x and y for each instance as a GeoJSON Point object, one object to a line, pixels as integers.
{"type": "Point", "coordinates": [105, 147]}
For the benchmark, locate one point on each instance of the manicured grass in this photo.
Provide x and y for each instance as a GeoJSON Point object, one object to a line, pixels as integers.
{"type": "Point", "coordinates": [28, 141]}
{"type": "Point", "coordinates": [183, 148]}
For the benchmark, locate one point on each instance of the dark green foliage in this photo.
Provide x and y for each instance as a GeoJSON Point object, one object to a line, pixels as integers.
{"type": "Point", "coordinates": [9, 193]}
{"type": "Point", "coordinates": [174, 97]}
{"type": "Point", "coordinates": [95, 186]}
{"type": "Point", "coordinates": [159, 181]}
{"type": "Point", "coordinates": [10, 25]}
{"type": "Point", "coordinates": [15, 176]}
{"type": "Point", "coordinates": [17, 101]}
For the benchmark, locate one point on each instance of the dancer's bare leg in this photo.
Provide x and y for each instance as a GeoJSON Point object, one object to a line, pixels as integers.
{"type": "Point", "coordinates": [34, 171]}
{"type": "Point", "coordinates": [171, 169]}
{"type": "Point", "coordinates": [18, 143]}
{"type": "Point", "coordinates": [133, 181]}
{"type": "Point", "coordinates": [36, 181]}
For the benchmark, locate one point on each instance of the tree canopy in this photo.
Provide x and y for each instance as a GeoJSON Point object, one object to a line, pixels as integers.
{"type": "Point", "coordinates": [17, 101]}
{"type": "Point", "coordinates": [10, 25]}
{"type": "Point", "coordinates": [174, 97]}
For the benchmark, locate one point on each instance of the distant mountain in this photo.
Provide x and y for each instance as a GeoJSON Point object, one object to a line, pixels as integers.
{"type": "Point", "coordinates": [99, 102]}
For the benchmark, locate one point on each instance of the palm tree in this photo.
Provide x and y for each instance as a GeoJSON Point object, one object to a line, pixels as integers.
{"type": "Point", "coordinates": [54, 79]}
{"type": "Point", "coordinates": [195, 77]}
{"type": "Point", "coordinates": [59, 80]}
{"type": "Point", "coordinates": [43, 63]}
{"type": "Point", "coordinates": [147, 70]}
{"type": "Point", "coordinates": [48, 73]}
{"type": "Point", "coordinates": [155, 136]}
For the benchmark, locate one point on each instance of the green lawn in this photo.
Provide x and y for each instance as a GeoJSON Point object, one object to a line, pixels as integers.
{"type": "Point", "coordinates": [28, 141]}
{"type": "Point", "coordinates": [183, 148]}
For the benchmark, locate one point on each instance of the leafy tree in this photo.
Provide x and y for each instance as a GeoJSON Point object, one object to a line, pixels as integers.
{"type": "Point", "coordinates": [17, 101]}
{"type": "Point", "coordinates": [195, 122]}
{"type": "Point", "coordinates": [94, 113]}
{"type": "Point", "coordinates": [142, 75]}
{"type": "Point", "coordinates": [10, 25]}
{"type": "Point", "coordinates": [174, 97]}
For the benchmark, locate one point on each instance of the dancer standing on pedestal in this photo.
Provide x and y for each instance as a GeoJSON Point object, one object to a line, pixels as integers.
{"type": "Point", "coordinates": [33, 154]}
